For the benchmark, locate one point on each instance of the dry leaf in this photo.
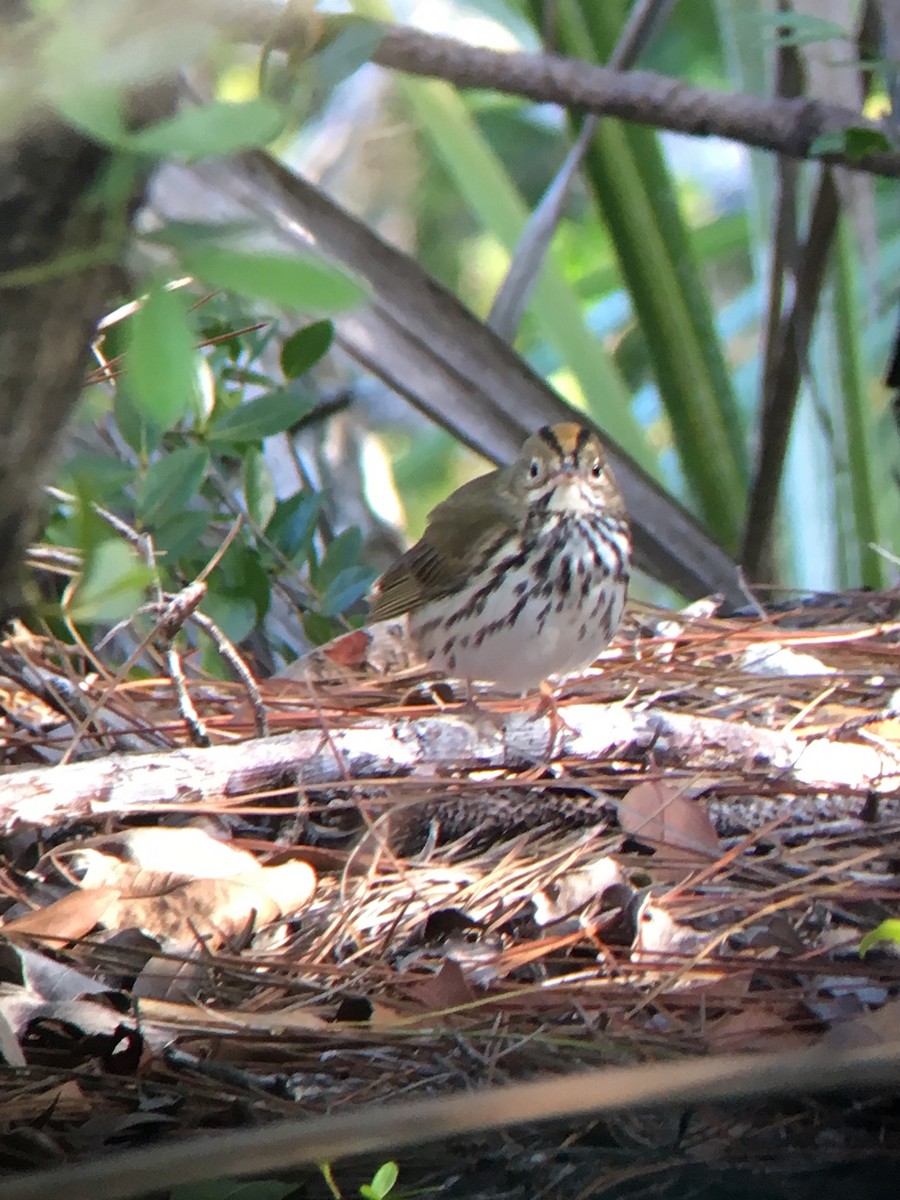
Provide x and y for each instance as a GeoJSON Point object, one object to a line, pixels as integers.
{"type": "Point", "coordinates": [273, 1021]}
{"type": "Point", "coordinates": [216, 909]}
{"type": "Point", "coordinates": [447, 989]}
{"type": "Point", "coordinates": [66, 1101]}
{"type": "Point", "coordinates": [877, 1028]}
{"type": "Point", "coordinates": [188, 853]}
{"type": "Point", "coordinates": [43, 975]}
{"type": "Point", "coordinates": [170, 979]}
{"type": "Point", "coordinates": [663, 814]}
{"type": "Point", "coordinates": [754, 1029]}
{"type": "Point", "coordinates": [66, 919]}
{"type": "Point", "coordinates": [575, 889]}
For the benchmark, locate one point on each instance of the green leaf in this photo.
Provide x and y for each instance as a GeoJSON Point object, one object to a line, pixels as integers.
{"type": "Point", "coordinates": [260, 418]}
{"type": "Point", "coordinates": [302, 82]}
{"type": "Point", "coordinates": [96, 110]}
{"type": "Point", "coordinates": [106, 476]}
{"type": "Point", "coordinates": [827, 143]}
{"type": "Point", "coordinates": [142, 435]}
{"type": "Point", "coordinates": [854, 141]}
{"type": "Point", "coordinates": [294, 523]}
{"type": "Point", "coordinates": [171, 481]}
{"type": "Point", "coordinates": [180, 537]}
{"type": "Point", "coordinates": [859, 141]}
{"type": "Point", "coordinates": [887, 931]}
{"type": "Point", "coordinates": [382, 1182]}
{"type": "Point", "coordinates": [304, 348]}
{"type": "Point", "coordinates": [798, 29]}
{"type": "Point", "coordinates": [188, 235]}
{"type": "Point", "coordinates": [159, 364]}
{"type": "Point", "coordinates": [112, 584]}
{"type": "Point", "coordinates": [242, 576]}
{"type": "Point", "coordinates": [320, 629]}
{"type": "Point", "coordinates": [259, 487]}
{"type": "Point", "coordinates": [291, 282]}
{"type": "Point", "coordinates": [235, 615]}
{"type": "Point", "coordinates": [343, 552]}
{"type": "Point", "coordinates": [354, 45]}
{"type": "Point", "coordinates": [348, 586]}
{"type": "Point", "coordinates": [212, 129]}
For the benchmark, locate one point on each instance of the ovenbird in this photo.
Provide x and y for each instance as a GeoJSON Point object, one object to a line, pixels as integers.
{"type": "Point", "coordinates": [521, 574]}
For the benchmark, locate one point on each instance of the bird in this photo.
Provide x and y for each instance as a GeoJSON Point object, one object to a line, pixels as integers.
{"type": "Point", "coordinates": [521, 574]}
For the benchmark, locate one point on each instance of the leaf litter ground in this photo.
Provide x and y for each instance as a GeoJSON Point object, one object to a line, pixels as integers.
{"type": "Point", "coordinates": [396, 895]}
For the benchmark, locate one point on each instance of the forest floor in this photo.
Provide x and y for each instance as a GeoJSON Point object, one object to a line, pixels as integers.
{"type": "Point", "coordinates": [393, 895]}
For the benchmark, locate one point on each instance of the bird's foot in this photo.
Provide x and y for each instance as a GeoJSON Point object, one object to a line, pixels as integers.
{"type": "Point", "coordinates": [549, 707]}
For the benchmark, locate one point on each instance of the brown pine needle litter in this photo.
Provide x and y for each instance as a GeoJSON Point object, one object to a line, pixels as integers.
{"type": "Point", "coordinates": [394, 898]}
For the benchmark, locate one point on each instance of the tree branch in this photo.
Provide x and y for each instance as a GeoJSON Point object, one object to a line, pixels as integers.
{"type": "Point", "coordinates": [435, 746]}
{"type": "Point", "coordinates": [784, 125]}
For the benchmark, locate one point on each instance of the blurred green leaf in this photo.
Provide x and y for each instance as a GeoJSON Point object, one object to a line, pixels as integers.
{"type": "Point", "coordinates": [797, 28]}
{"type": "Point", "coordinates": [235, 615]}
{"type": "Point", "coordinates": [107, 477]}
{"type": "Point", "coordinates": [855, 141]}
{"type": "Point", "coordinates": [170, 482]}
{"type": "Point", "coordinates": [346, 588]}
{"type": "Point", "coordinates": [260, 418]}
{"type": "Point", "coordinates": [259, 487]}
{"type": "Point", "coordinates": [828, 143]}
{"type": "Point", "coordinates": [345, 551]}
{"type": "Point", "coordinates": [320, 629]}
{"type": "Point", "coordinates": [216, 128]}
{"type": "Point", "coordinates": [304, 348]}
{"type": "Point", "coordinates": [97, 111]}
{"type": "Point", "coordinates": [353, 46]}
{"type": "Point", "coordinates": [180, 537]}
{"type": "Point", "coordinates": [306, 284]}
{"type": "Point", "coordinates": [294, 523]}
{"type": "Point", "coordinates": [886, 931]}
{"type": "Point", "coordinates": [159, 364]}
{"type": "Point", "coordinates": [112, 585]}
{"type": "Point", "coordinates": [241, 575]}
{"type": "Point", "coordinates": [142, 435]}
{"type": "Point", "coordinates": [302, 82]}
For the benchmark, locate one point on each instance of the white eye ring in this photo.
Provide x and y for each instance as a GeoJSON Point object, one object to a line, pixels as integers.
{"type": "Point", "coordinates": [534, 469]}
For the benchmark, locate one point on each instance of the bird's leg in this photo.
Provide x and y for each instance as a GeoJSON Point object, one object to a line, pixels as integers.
{"type": "Point", "coordinates": [477, 713]}
{"type": "Point", "coordinates": [548, 706]}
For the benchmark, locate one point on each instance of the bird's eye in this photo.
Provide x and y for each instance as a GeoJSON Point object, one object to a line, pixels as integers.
{"type": "Point", "coordinates": [597, 469]}
{"type": "Point", "coordinates": [534, 469]}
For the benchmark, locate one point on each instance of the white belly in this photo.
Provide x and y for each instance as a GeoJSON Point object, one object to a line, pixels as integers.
{"type": "Point", "coordinates": [518, 626]}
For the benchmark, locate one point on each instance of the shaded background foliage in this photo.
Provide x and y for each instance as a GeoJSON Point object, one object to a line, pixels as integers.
{"type": "Point", "coordinates": [249, 417]}
{"type": "Point", "coordinates": [711, 309]}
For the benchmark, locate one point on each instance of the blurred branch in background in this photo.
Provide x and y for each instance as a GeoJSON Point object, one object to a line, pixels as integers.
{"type": "Point", "coordinates": [784, 126]}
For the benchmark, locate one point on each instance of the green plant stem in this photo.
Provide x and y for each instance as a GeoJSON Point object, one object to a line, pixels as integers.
{"type": "Point", "coordinates": [632, 188]}
{"type": "Point", "coordinates": [445, 120]}
{"type": "Point", "coordinates": [856, 408]}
